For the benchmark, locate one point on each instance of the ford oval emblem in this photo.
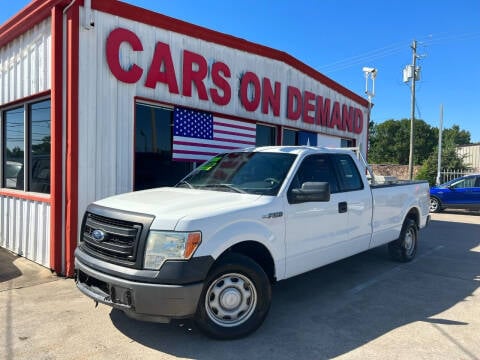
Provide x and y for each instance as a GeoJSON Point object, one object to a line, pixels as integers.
{"type": "Point", "coordinates": [99, 235]}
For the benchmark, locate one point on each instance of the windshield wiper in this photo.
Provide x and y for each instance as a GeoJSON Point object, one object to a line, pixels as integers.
{"type": "Point", "coordinates": [225, 186]}
{"type": "Point", "coordinates": [183, 182]}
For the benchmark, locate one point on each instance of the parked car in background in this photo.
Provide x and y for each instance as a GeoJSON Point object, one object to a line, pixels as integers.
{"type": "Point", "coordinates": [459, 193]}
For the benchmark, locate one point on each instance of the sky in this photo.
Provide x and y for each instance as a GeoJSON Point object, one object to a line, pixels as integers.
{"type": "Point", "coordinates": [339, 38]}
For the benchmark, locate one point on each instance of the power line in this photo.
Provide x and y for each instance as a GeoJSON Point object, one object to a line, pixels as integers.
{"type": "Point", "coordinates": [393, 49]}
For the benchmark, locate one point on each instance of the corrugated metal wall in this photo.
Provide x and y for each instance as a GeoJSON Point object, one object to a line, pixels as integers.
{"type": "Point", "coordinates": [25, 64]}
{"type": "Point", "coordinates": [25, 228]}
{"type": "Point", "coordinates": [25, 69]}
{"type": "Point", "coordinates": [470, 155]}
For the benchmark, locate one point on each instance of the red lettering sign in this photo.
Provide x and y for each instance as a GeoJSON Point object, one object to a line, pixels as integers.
{"type": "Point", "coordinates": [322, 115]}
{"type": "Point", "coordinates": [294, 103]}
{"type": "Point", "coordinates": [196, 76]}
{"type": "Point", "coordinates": [308, 107]}
{"type": "Point", "coordinates": [312, 108]}
{"type": "Point", "coordinates": [114, 40]}
{"type": "Point", "coordinates": [270, 97]}
{"type": "Point", "coordinates": [248, 80]}
{"type": "Point", "coordinates": [336, 120]}
{"type": "Point", "coordinates": [221, 83]}
{"type": "Point", "coordinates": [162, 58]}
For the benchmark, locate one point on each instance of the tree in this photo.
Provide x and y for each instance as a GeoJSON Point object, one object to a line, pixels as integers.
{"type": "Point", "coordinates": [390, 142]}
{"type": "Point", "coordinates": [454, 136]}
{"type": "Point", "coordinates": [450, 160]}
{"type": "Point", "coordinates": [451, 138]}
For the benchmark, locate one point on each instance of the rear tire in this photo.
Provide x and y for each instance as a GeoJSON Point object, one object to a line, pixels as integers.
{"type": "Point", "coordinates": [404, 248]}
{"type": "Point", "coordinates": [235, 299]}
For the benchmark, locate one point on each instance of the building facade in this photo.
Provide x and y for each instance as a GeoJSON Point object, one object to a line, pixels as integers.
{"type": "Point", "coordinates": [101, 97]}
{"type": "Point", "coordinates": [470, 155]}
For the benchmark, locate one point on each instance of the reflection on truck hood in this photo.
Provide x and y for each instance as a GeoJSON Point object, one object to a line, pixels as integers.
{"type": "Point", "coordinates": [169, 205]}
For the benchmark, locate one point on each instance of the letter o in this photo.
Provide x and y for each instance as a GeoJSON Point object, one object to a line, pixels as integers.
{"type": "Point", "coordinates": [248, 79]}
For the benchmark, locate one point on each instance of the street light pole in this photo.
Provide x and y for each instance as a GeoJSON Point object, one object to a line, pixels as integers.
{"type": "Point", "coordinates": [439, 160]}
{"type": "Point", "coordinates": [412, 117]}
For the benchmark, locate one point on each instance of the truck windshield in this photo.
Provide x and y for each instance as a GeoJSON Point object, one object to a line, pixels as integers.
{"type": "Point", "coordinates": [244, 172]}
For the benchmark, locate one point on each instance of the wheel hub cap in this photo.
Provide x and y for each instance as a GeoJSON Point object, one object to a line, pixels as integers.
{"type": "Point", "coordinates": [230, 299]}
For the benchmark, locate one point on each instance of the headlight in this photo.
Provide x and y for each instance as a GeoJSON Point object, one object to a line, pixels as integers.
{"type": "Point", "coordinates": [162, 245]}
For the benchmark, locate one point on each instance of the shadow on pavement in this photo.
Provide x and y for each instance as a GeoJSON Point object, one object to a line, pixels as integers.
{"type": "Point", "coordinates": [340, 307]}
{"type": "Point", "coordinates": [17, 272]}
{"type": "Point", "coordinates": [8, 270]}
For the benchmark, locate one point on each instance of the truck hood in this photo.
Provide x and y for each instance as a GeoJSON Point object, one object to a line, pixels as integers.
{"type": "Point", "coordinates": [169, 205]}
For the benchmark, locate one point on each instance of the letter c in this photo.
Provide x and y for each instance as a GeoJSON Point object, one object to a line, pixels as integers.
{"type": "Point", "coordinates": [114, 41]}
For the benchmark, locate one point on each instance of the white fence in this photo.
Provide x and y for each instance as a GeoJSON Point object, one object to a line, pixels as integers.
{"type": "Point", "coordinates": [450, 174]}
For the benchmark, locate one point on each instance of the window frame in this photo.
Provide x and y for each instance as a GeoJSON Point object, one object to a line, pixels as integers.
{"type": "Point", "coordinates": [339, 171]}
{"type": "Point", "coordinates": [275, 135]}
{"type": "Point", "coordinates": [25, 105]}
{"type": "Point", "coordinates": [137, 184]}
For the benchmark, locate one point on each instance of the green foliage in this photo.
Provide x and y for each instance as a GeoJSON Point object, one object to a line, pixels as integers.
{"type": "Point", "coordinates": [451, 138]}
{"type": "Point", "coordinates": [450, 160]}
{"type": "Point", "coordinates": [390, 142]}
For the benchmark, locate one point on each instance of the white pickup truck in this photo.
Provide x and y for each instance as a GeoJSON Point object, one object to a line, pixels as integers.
{"type": "Point", "coordinates": [211, 247]}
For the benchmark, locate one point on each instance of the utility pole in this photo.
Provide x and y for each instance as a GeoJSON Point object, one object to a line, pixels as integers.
{"type": "Point", "coordinates": [439, 161]}
{"type": "Point", "coordinates": [412, 118]}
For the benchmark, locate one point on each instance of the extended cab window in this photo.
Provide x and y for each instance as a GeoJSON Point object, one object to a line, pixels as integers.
{"type": "Point", "coordinates": [316, 168]}
{"type": "Point", "coordinates": [349, 177]}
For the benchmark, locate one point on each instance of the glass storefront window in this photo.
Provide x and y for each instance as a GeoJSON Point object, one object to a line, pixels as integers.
{"type": "Point", "coordinates": [14, 148]}
{"type": "Point", "coordinates": [154, 166]}
{"type": "Point", "coordinates": [289, 137]}
{"type": "Point", "coordinates": [27, 127]}
{"type": "Point", "coordinates": [40, 136]}
{"type": "Point", "coordinates": [266, 135]}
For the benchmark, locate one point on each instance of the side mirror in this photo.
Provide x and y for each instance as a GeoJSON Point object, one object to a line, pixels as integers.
{"type": "Point", "coordinates": [310, 192]}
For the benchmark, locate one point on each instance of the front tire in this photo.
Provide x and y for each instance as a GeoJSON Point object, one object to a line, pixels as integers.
{"type": "Point", "coordinates": [235, 299]}
{"type": "Point", "coordinates": [404, 248]}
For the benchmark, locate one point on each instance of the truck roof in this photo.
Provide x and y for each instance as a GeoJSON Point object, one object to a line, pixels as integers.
{"type": "Point", "coordinates": [298, 149]}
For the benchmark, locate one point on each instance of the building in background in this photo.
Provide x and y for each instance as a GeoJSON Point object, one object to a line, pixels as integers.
{"type": "Point", "coordinates": [470, 155]}
{"type": "Point", "coordinates": [101, 97]}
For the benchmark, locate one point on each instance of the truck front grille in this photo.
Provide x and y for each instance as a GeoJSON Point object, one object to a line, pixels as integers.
{"type": "Point", "coordinates": [112, 237]}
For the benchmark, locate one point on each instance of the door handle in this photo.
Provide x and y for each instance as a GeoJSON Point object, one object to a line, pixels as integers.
{"type": "Point", "coordinates": [342, 207]}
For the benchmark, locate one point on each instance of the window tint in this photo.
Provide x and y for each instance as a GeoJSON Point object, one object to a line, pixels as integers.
{"type": "Point", "coordinates": [39, 173]}
{"type": "Point", "coordinates": [316, 168]}
{"type": "Point", "coordinates": [266, 135]}
{"type": "Point", "coordinates": [15, 148]}
{"type": "Point", "coordinates": [289, 137]}
{"type": "Point", "coordinates": [348, 173]}
{"type": "Point", "coordinates": [468, 182]}
{"type": "Point", "coordinates": [27, 139]}
{"type": "Point", "coordinates": [154, 166]}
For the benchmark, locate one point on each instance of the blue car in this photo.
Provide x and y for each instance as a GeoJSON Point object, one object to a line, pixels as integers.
{"type": "Point", "coordinates": [460, 193]}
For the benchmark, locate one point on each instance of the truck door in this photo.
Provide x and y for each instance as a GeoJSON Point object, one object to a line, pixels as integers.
{"type": "Point", "coordinates": [359, 204]}
{"type": "Point", "coordinates": [315, 229]}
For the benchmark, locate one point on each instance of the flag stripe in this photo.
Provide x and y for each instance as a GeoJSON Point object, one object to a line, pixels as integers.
{"type": "Point", "coordinates": [217, 145]}
{"type": "Point", "coordinates": [230, 125]}
{"type": "Point", "coordinates": [199, 136]}
{"type": "Point", "coordinates": [233, 134]}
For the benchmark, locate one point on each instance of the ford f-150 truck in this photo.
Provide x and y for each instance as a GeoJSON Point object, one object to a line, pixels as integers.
{"type": "Point", "coordinates": [211, 247]}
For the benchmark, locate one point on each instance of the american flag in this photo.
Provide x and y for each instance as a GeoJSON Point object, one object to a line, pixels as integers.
{"type": "Point", "coordinates": [197, 136]}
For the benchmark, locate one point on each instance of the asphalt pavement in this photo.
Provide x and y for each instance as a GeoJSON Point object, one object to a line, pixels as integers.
{"type": "Point", "coordinates": [364, 307]}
